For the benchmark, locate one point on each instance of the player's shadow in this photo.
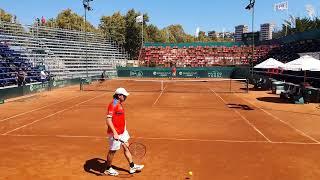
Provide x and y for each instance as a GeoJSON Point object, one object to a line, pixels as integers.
{"type": "Point", "coordinates": [240, 106]}
{"type": "Point", "coordinates": [97, 166]}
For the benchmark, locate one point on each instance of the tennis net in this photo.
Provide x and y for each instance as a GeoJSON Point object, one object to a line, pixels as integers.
{"type": "Point", "coordinates": [173, 86]}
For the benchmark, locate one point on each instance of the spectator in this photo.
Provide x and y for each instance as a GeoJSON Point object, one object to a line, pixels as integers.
{"type": "Point", "coordinates": [102, 78]}
{"type": "Point", "coordinates": [43, 76]}
{"type": "Point", "coordinates": [21, 77]}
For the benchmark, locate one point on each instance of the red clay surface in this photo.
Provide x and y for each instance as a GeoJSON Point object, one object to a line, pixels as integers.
{"type": "Point", "coordinates": [61, 135]}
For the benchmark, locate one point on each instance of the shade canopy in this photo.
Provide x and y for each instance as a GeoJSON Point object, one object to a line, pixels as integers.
{"type": "Point", "coordinates": [304, 63]}
{"type": "Point", "coordinates": [270, 64]}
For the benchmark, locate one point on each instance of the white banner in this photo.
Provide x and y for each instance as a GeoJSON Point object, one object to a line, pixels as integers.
{"type": "Point", "coordinates": [139, 19]}
{"type": "Point", "coordinates": [281, 6]}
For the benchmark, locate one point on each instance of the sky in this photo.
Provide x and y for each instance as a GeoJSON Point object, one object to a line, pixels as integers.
{"type": "Point", "coordinates": [208, 15]}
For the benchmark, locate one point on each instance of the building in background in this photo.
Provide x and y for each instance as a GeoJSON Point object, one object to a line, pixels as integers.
{"type": "Point", "coordinates": [229, 35]}
{"type": "Point", "coordinates": [221, 35]}
{"type": "Point", "coordinates": [239, 30]}
{"type": "Point", "coordinates": [266, 31]}
{"type": "Point", "coordinates": [212, 34]}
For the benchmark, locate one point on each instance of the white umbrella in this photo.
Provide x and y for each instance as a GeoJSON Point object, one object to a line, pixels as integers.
{"type": "Point", "coordinates": [304, 63]}
{"type": "Point", "coordinates": [270, 64]}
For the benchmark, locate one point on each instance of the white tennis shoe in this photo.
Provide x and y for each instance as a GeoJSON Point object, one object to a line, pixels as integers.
{"type": "Point", "coordinates": [111, 172]}
{"type": "Point", "coordinates": [136, 168]}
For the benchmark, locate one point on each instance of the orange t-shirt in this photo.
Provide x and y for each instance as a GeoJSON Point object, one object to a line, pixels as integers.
{"type": "Point", "coordinates": [116, 112]}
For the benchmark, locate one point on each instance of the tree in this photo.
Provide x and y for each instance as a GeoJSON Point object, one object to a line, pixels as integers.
{"type": "Point", "coordinates": [6, 17]}
{"type": "Point", "coordinates": [153, 34]}
{"type": "Point", "coordinates": [302, 25]}
{"type": "Point", "coordinates": [177, 34]}
{"type": "Point", "coordinates": [134, 32]}
{"type": "Point", "coordinates": [114, 27]}
{"type": "Point", "coordinates": [70, 20]}
{"type": "Point", "coordinates": [190, 38]}
{"type": "Point", "coordinates": [16, 28]}
{"type": "Point", "coordinates": [202, 37]}
{"type": "Point", "coordinates": [164, 35]}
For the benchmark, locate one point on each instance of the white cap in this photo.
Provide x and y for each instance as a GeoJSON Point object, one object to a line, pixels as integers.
{"type": "Point", "coordinates": [121, 91]}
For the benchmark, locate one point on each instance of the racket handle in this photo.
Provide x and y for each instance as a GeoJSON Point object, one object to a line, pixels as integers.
{"type": "Point", "coordinates": [121, 141]}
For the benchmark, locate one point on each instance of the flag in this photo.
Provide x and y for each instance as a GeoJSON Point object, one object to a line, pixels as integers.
{"type": "Point", "coordinates": [281, 6]}
{"type": "Point", "coordinates": [197, 31]}
{"type": "Point", "coordinates": [310, 11]}
{"type": "Point", "coordinates": [139, 19]}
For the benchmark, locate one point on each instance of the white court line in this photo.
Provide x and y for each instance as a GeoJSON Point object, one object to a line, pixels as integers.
{"type": "Point", "coordinates": [17, 115]}
{"type": "Point", "coordinates": [244, 118]}
{"type": "Point", "coordinates": [61, 136]}
{"type": "Point", "coordinates": [52, 114]}
{"type": "Point", "coordinates": [159, 96]}
{"type": "Point", "coordinates": [286, 123]}
{"type": "Point", "coordinates": [221, 140]}
{"type": "Point", "coordinates": [160, 138]}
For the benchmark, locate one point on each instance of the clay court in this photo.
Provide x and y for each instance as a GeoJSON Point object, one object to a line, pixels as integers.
{"type": "Point", "coordinates": [186, 127]}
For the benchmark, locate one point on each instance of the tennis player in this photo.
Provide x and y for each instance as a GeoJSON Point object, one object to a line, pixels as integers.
{"type": "Point", "coordinates": [117, 131]}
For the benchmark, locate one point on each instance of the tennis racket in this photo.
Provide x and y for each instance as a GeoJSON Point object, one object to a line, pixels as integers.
{"type": "Point", "coordinates": [137, 150]}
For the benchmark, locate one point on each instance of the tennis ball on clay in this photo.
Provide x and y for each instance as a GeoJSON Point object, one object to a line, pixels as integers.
{"type": "Point", "coordinates": [190, 173]}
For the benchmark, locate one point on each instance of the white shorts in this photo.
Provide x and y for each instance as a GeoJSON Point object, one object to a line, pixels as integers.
{"type": "Point", "coordinates": [115, 145]}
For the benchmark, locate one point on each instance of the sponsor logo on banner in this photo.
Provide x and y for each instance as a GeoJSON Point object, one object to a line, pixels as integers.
{"type": "Point", "coordinates": [162, 74]}
{"type": "Point", "coordinates": [188, 74]}
{"type": "Point", "coordinates": [38, 87]}
{"type": "Point", "coordinates": [215, 74]}
{"type": "Point", "coordinates": [136, 73]}
{"type": "Point", "coordinates": [59, 83]}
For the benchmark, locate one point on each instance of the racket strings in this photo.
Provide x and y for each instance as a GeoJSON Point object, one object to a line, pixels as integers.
{"type": "Point", "coordinates": [137, 150]}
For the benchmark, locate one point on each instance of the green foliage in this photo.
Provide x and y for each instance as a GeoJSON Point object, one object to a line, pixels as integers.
{"type": "Point", "coordinates": [9, 18]}
{"type": "Point", "coordinates": [114, 27]}
{"type": "Point", "coordinates": [202, 37]}
{"type": "Point", "coordinates": [6, 17]}
{"type": "Point", "coordinates": [133, 33]}
{"type": "Point", "coordinates": [153, 34]}
{"type": "Point", "coordinates": [70, 20]}
{"type": "Point", "coordinates": [302, 25]}
{"type": "Point", "coordinates": [177, 34]}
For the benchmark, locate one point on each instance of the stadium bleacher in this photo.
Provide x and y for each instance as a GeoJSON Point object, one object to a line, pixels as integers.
{"type": "Point", "coordinates": [200, 55]}
{"type": "Point", "coordinates": [290, 51]}
{"type": "Point", "coordinates": [63, 52]}
{"type": "Point", "coordinates": [11, 62]}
